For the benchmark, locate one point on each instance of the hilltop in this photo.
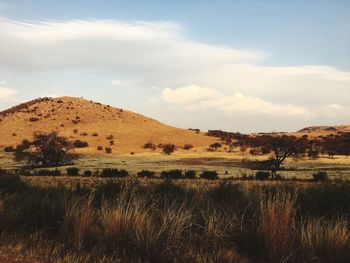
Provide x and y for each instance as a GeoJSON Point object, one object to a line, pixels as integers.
{"type": "Point", "coordinates": [94, 123]}
{"type": "Point", "coordinates": [324, 130]}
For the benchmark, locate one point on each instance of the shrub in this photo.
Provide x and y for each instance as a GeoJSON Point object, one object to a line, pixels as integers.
{"type": "Point", "coordinates": [80, 144]}
{"type": "Point", "coordinates": [110, 137]}
{"type": "Point", "coordinates": [75, 130]}
{"type": "Point", "coordinates": [112, 172]}
{"type": "Point", "coordinates": [210, 175]}
{"type": "Point", "coordinates": [146, 173]}
{"type": "Point", "coordinates": [108, 149]}
{"type": "Point", "coordinates": [172, 174]}
{"type": "Point", "coordinates": [111, 142]}
{"type": "Point", "coordinates": [190, 174]}
{"type": "Point", "coordinates": [95, 134]}
{"type": "Point", "coordinates": [168, 148]}
{"type": "Point", "coordinates": [320, 176]}
{"type": "Point", "coordinates": [47, 172]}
{"type": "Point", "coordinates": [9, 149]}
{"type": "Point", "coordinates": [87, 173]}
{"type": "Point", "coordinates": [262, 175]}
{"type": "Point", "coordinates": [99, 148]}
{"type": "Point", "coordinates": [149, 145]}
{"type": "Point", "coordinates": [33, 119]}
{"type": "Point", "coordinates": [72, 171]}
{"type": "Point", "coordinates": [187, 146]}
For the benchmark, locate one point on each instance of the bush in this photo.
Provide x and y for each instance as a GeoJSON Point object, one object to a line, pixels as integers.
{"type": "Point", "coordinates": [33, 119]}
{"type": "Point", "coordinates": [9, 149]}
{"type": "Point", "coordinates": [172, 174]}
{"type": "Point", "coordinates": [168, 148]}
{"type": "Point", "coordinates": [262, 175]}
{"type": "Point", "coordinates": [187, 146]}
{"type": "Point", "coordinates": [210, 175]}
{"type": "Point", "coordinates": [99, 148]}
{"type": "Point", "coordinates": [190, 174]}
{"type": "Point", "coordinates": [146, 173]}
{"type": "Point", "coordinates": [80, 144]}
{"type": "Point", "coordinates": [72, 171]}
{"type": "Point", "coordinates": [149, 145]}
{"type": "Point", "coordinates": [46, 172]}
{"type": "Point", "coordinates": [112, 172]}
{"type": "Point", "coordinates": [108, 149]}
{"type": "Point", "coordinates": [95, 134]}
{"type": "Point", "coordinates": [320, 176]}
{"type": "Point", "coordinates": [87, 173]}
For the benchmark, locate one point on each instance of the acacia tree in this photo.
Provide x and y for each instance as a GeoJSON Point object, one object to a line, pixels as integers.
{"type": "Point", "coordinates": [281, 147]}
{"type": "Point", "coordinates": [45, 150]}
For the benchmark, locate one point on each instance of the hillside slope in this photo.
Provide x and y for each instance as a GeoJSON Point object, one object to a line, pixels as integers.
{"type": "Point", "coordinates": [95, 123]}
{"type": "Point", "coordinates": [324, 130]}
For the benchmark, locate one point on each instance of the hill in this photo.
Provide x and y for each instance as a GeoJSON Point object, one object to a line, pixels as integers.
{"type": "Point", "coordinates": [95, 123]}
{"type": "Point", "coordinates": [324, 130]}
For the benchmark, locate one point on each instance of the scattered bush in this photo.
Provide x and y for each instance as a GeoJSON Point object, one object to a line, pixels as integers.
{"type": "Point", "coordinates": [168, 148]}
{"type": "Point", "coordinates": [262, 175]}
{"type": "Point", "coordinates": [190, 174]}
{"type": "Point", "coordinates": [108, 149]}
{"type": "Point", "coordinates": [72, 171]}
{"type": "Point", "coordinates": [33, 119]}
{"type": "Point", "coordinates": [95, 134]}
{"type": "Point", "coordinates": [110, 137]}
{"type": "Point", "coordinates": [172, 174]}
{"type": "Point", "coordinates": [112, 172]}
{"type": "Point", "coordinates": [87, 173]}
{"type": "Point", "coordinates": [146, 173]}
{"type": "Point", "coordinates": [210, 175]}
{"type": "Point", "coordinates": [9, 149]}
{"type": "Point", "coordinates": [320, 176]}
{"type": "Point", "coordinates": [99, 148]}
{"type": "Point", "coordinates": [149, 145]}
{"type": "Point", "coordinates": [47, 172]}
{"type": "Point", "coordinates": [80, 144]}
{"type": "Point", "coordinates": [187, 146]}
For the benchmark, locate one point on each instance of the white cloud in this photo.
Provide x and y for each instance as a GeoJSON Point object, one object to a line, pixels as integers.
{"type": "Point", "coordinates": [161, 54]}
{"type": "Point", "coordinates": [6, 93]}
{"type": "Point", "coordinates": [116, 82]}
{"type": "Point", "coordinates": [195, 97]}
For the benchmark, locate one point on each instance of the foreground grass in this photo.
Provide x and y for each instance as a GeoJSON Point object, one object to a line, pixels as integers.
{"type": "Point", "coordinates": [163, 221]}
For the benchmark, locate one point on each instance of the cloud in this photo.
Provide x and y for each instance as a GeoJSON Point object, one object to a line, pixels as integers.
{"type": "Point", "coordinates": [6, 93]}
{"type": "Point", "coordinates": [116, 82]}
{"type": "Point", "coordinates": [160, 54]}
{"type": "Point", "coordinates": [194, 97]}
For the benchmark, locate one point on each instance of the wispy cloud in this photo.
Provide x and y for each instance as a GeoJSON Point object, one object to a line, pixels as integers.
{"type": "Point", "coordinates": [6, 93]}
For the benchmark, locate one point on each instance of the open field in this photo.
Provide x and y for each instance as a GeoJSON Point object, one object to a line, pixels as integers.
{"type": "Point", "coordinates": [228, 165]}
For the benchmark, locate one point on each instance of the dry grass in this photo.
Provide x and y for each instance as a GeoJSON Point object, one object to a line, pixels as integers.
{"type": "Point", "coordinates": [325, 241]}
{"type": "Point", "coordinates": [277, 225]}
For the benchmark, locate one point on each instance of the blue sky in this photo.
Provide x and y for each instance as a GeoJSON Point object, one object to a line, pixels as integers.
{"type": "Point", "coordinates": [235, 65]}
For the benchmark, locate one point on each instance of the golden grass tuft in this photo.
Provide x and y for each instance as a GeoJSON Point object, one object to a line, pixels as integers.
{"type": "Point", "coordinates": [277, 224]}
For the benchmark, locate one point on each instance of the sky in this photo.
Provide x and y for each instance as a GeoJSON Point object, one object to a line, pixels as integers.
{"type": "Point", "coordinates": [247, 66]}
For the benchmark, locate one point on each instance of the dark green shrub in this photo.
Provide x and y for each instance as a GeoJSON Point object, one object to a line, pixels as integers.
{"type": "Point", "coordinates": [112, 172]}
{"type": "Point", "coordinates": [108, 149]}
{"type": "Point", "coordinates": [187, 146]}
{"type": "Point", "coordinates": [72, 171]}
{"type": "Point", "coordinates": [172, 174]}
{"type": "Point", "coordinates": [47, 172]}
{"type": "Point", "coordinates": [261, 175]}
{"type": "Point", "coordinates": [87, 173]}
{"type": "Point", "coordinates": [321, 176]}
{"type": "Point", "coordinates": [146, 173]}
{"type": "Point", "coordinates": [9, 149]}
{"type": "Point", "coordinates": [190, 174]}
{"type": "Point", "coordinates": [168, 148]}
{"type": "Point", "coordinates": [210, 175]}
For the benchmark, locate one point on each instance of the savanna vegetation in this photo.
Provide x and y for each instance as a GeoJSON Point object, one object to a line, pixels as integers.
{"type": "Point", "coordinates": [141, 220]}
